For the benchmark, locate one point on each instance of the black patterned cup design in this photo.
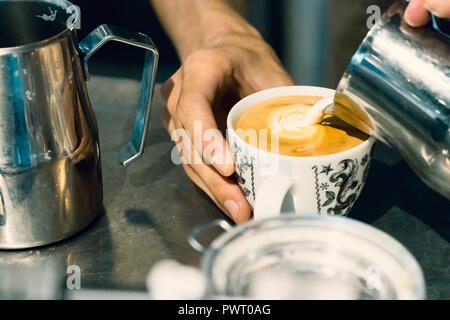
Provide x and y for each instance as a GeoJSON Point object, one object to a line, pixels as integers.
{"type": "Point", "coordinates": [272, 183]}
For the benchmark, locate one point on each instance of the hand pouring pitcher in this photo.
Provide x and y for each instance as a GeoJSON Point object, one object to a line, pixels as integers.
{"type": "Point", "coordinates": [397, 88]}
{"type": "Point", "coordinates": [50, 172]}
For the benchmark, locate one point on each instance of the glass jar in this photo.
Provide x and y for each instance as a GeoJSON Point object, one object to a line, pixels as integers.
{"type": "Point", "coordinates": [309, 257]}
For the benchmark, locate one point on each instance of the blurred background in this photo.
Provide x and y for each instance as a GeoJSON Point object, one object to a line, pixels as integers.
{"type": "Point", "coordinates": [314, 39]}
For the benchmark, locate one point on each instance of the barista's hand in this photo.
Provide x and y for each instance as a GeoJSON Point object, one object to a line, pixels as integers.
{"type": "Point", "coordinates": [418, 11]}
{"type": "Point", "coordinates": [231, 65]}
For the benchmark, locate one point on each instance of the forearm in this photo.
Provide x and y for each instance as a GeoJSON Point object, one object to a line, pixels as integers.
{"type": "Point", "coordinates": [193, 24]}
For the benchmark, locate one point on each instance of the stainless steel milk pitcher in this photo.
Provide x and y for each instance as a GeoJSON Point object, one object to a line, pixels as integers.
{"type": "Point", "coordinates": [397, 88]}
{"type": "Point", "coordinates": [50, 171]}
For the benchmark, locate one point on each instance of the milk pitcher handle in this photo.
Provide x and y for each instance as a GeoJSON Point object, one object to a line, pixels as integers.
{"type": "Point", "coordinates": [97, 39]}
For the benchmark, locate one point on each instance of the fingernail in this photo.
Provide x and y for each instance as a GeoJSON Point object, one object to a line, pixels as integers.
{"type": "Point", "coordinates": [415, 14]}
{"type": "Point", "coordinates": [232, 208]}
{"type": "Point", "coordinates": [407, 15]}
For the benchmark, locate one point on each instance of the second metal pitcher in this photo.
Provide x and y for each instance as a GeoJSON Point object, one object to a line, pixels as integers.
{"type": "Point", "coordinates": [50, 169]}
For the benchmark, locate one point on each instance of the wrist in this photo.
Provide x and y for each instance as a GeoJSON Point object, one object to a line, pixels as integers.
{"type": "Point", "coordinates": [217, 21]}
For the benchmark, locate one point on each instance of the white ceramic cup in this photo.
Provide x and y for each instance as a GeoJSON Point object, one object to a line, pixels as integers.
{"type": "Point", "coordinates": [273, 183]}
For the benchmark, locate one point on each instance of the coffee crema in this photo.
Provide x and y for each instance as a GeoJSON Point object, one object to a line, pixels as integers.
{"type": "Point", "coordinates": [280, 121]}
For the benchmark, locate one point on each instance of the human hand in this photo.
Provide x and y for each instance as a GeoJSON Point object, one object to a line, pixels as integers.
{"type": "Point", "coordinates": [417, 13]}
{"type": "Point", "coordinates": [210, 80]}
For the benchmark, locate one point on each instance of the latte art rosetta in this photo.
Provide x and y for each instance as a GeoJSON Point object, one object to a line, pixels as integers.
{"type": "Point", "coordinates": [280, 123]}
{"type": "Point", "coordinates": [287, 123]}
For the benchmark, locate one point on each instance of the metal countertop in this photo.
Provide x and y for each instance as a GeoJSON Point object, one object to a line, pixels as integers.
{"type": "Point", "coordinates": [151, 206]}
